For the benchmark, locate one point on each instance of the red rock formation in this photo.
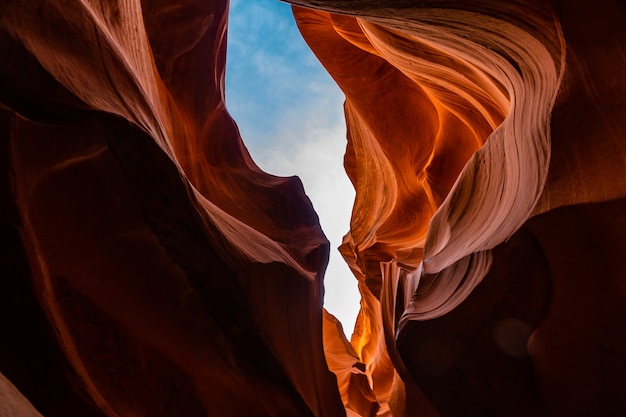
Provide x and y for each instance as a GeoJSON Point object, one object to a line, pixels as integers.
{"type": "Point", "coordinates": [461, 128]}
{"type": "Point", "coordinates": [177, 277]}
{"type": "Point", "coordinates": [156, 270]}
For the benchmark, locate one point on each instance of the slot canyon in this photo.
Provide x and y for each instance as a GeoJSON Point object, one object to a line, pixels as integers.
{"type": "Point", "coordinates": [150, 268]}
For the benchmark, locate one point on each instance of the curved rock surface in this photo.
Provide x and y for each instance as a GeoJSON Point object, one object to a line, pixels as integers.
{"type": "Point", "coordinates": [465, 120]}
{"type": "Point", "coordinates": [152, 269]}
{"type": "Point", "coordinates": [176, 276]}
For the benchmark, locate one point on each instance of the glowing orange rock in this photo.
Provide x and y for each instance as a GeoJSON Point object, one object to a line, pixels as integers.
{"type": "Point", "coordinates": [459, 128]}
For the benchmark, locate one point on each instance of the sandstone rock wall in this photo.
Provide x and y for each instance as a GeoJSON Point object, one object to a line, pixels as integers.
{"type": "Point", "coordinates": [150, 268]}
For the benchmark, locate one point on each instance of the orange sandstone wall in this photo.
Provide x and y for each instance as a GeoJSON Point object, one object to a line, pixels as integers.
{"type": "Point", "coordinates": [465, 120]}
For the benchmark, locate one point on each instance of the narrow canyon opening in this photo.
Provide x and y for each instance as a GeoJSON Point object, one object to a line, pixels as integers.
{"type": "Point", "coordinates": [290, 115]}
{"type": "Point", "coordinates": [152, 268]}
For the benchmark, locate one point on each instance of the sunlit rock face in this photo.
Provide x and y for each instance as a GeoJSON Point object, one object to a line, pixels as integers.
{"type": "Point", "coordinates": [479, 134]}
{"type": "Point", "coordinates": [152, 269]}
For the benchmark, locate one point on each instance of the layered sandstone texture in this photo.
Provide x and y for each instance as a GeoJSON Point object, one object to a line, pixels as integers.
{"type": "Point", "coordinates": [150, 268]}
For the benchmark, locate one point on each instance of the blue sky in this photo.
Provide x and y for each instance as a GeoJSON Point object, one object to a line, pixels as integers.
{"type": "Point", "coordinates": [290, 114]}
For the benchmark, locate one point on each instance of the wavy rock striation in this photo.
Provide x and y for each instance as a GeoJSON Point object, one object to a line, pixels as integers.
{"type": "Point", "coordinates": [176, 276]}
{"type": "Point", "coordinates": [460, 128]}
{"type": "Point", "coordinates": [156, 270]}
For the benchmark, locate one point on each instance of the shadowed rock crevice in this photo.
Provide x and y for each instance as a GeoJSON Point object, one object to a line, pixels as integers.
{"type": "Point", "coordinates": [30, 358]}
{"type": "Point", "coordinates": [474, 360]}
